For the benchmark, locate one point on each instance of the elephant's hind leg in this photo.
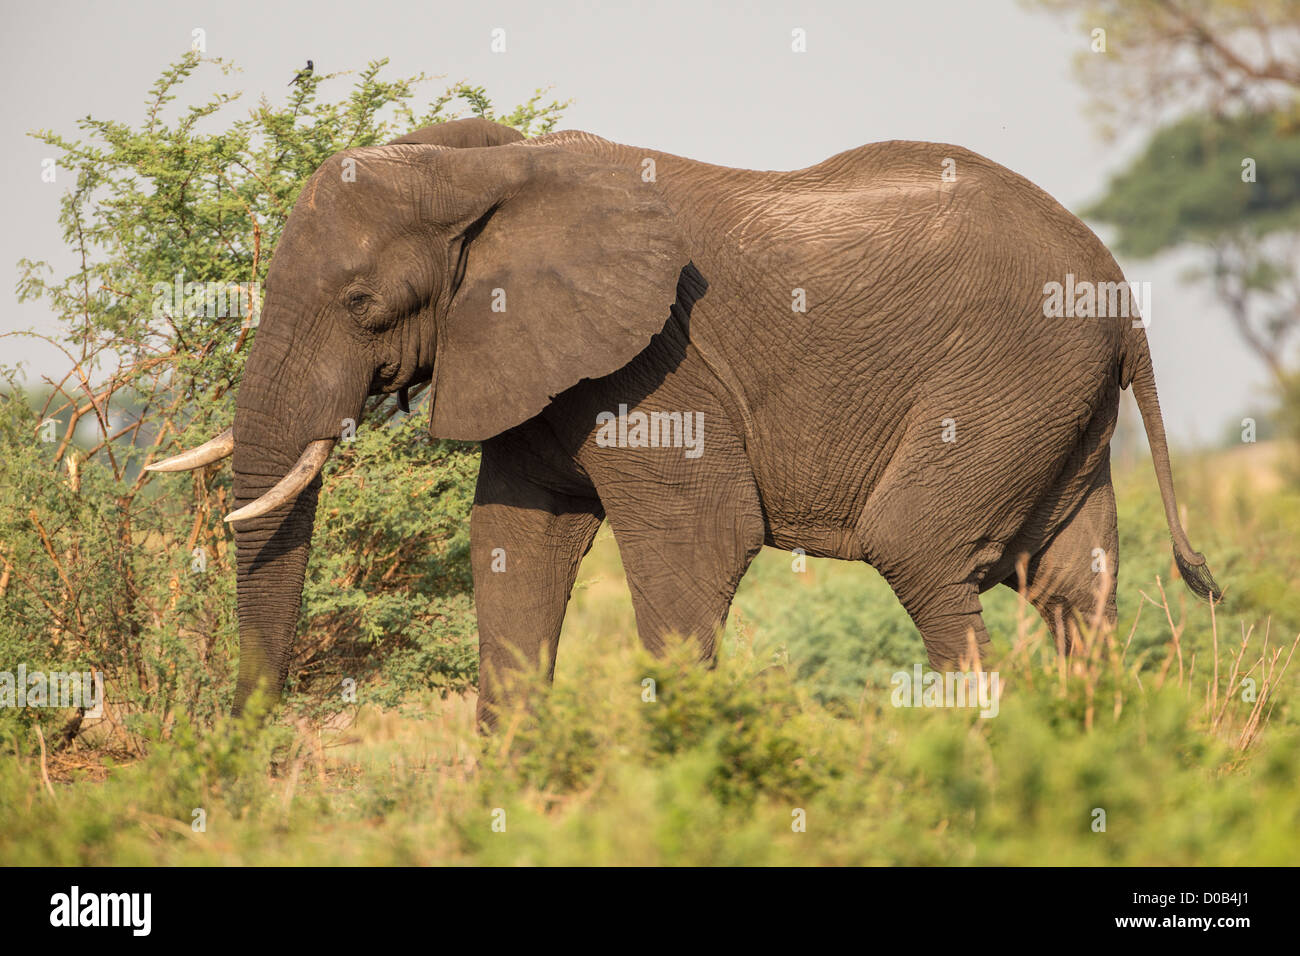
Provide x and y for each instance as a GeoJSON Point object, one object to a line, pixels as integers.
{"type": "Point", "coordinates": [1074, 576]}
{"type": "Point", "coordinates": [938, 586]}
{"type": "Point", "coordinates": [526, 544]}
{"type": "Point", "coordinates": [934, 558]}
{"type": "Point", "coordinates": [950, 619]}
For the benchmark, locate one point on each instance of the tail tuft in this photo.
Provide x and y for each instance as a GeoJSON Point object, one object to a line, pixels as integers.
{"type": "Point", "coordinates": [1197, 577]}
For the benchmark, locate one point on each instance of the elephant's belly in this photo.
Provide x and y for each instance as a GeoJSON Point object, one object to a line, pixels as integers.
{"type": "Point", "coordinates": [817, 542]}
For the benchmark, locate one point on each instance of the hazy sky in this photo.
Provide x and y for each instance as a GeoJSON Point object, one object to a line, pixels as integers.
{"type": "Point", "coordinates": [713, 80]}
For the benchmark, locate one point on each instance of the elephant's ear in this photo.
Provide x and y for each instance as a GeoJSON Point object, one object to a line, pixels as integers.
{"type": "Point", "coordinates": [563, 267]}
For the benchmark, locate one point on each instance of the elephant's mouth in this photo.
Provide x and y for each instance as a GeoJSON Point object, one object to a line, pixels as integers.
{"type": "Point", "coordinates": [390, 378]}
{"type": "Point", "coordinates": [385, 375]}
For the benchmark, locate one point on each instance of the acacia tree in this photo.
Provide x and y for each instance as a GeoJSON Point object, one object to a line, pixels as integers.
{"type": "Point", "coordinates": [1229, 186]}
{"type": "Point", "coordinates": [1150, 61]}
{"type": "Point", "coordinates": [172, 223]}
{"type": "Point", "coordinates": [1219, 80]}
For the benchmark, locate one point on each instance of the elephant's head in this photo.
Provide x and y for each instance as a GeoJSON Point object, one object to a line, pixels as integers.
{"type": "Point", "coordinates": [462, 133]}
{"type": "Point", "coordinates": [504, 275]}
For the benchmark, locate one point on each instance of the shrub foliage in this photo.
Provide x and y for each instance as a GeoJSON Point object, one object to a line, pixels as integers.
{"type": "Point", "coordinates": [108, 567]}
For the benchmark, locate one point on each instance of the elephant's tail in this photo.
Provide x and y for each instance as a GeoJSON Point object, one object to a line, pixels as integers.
{"type": "Point", "coordinates": [1135, 367]}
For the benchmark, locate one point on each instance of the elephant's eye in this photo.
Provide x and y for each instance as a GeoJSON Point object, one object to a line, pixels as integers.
{"type": "Point", "coordinates": [358, 303]}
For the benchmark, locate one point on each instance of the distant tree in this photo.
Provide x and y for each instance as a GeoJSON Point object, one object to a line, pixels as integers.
{"type": "Point", "coordinates": [1158, 59]}
{"type": "Point", "coordinates": [1219, 80]}
{"type": "Point", "coordinates": [1231, 187]}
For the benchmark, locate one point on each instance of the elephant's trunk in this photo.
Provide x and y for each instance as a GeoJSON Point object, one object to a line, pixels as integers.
{"type": "Point", "coordinates": [288, 414]}
{"type": "Point", "coordinates": [272, 560]}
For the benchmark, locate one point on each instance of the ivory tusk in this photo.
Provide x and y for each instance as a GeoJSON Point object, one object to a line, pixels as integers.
{"type": "Point", "coordinates": [291, 485]}
{"type": "Point", "coordinates": [212, 450]}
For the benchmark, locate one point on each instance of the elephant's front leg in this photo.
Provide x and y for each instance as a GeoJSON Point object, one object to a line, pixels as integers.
{"type": "Point", "coordinates": [526, 542]}
{"type": "Point", "coordinates": [687, 528]}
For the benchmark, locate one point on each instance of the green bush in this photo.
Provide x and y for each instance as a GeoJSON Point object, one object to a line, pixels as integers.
{"type": "Point", "coordinates": [111, 567]}
{"type": "Point", "coordinates": [1089, 764]}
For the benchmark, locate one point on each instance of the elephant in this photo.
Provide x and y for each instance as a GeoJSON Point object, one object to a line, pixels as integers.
{"type": "Point", "coordinates": [857, 359]}
{"type": "Point", "coordinates": [462, 134]}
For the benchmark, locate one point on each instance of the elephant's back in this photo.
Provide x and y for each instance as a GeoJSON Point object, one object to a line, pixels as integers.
{"type": "Point", "coordinates": [901, 299]}
{"type": "Point", "coordinates": [908, 178]}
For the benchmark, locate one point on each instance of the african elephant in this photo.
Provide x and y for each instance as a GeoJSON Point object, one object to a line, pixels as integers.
{"type": "Point", "coordinates": [462, 134]}
{"type": "Point", "coordinates": [854, 359]}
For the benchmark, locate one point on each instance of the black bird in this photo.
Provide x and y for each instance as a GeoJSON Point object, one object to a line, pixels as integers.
{"type": "Point", "coordinates": [303, 74]}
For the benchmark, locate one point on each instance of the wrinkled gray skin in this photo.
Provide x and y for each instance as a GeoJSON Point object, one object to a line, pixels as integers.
{"type": "Point", "coordinates": [673, 292]}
